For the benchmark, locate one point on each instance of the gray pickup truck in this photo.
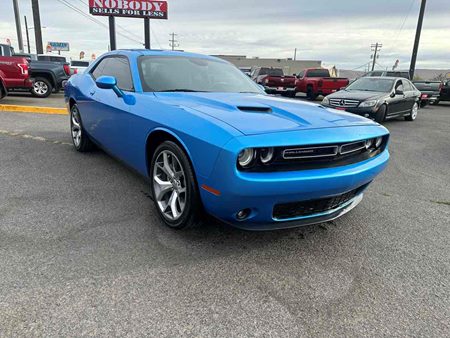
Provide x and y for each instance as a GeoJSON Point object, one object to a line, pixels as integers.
{"type": "Point", "coordinates": [430, 91]}
{"type": "Point", "coordinates": [47, 76]}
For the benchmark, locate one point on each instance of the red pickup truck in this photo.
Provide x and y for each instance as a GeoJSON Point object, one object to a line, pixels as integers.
{"type": "Point", "coordinates": [317, 81]}
{"type": "Point", "coordinates": [14, 74]}
{"type": "Point", "coordinates": [274, 81]}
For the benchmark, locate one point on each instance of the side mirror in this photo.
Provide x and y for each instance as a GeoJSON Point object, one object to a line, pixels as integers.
{"type": "Point", "coordinates": [108, 82]}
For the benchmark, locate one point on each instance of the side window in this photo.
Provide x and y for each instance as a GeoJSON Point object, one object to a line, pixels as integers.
{"type": "Point", "coordinates": [301, 74]}
{"type": "Point", "coordinates": [98, 70]}
{"type": "Point", "coordinates": [399, 86]}
{"type": "Point", "coordinates": [407, 86]}
{"type": "Point", "coordinates": [118, 67]}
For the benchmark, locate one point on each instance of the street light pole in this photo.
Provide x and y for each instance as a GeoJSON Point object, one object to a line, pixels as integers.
{"type": "Point", "coordinates": [412, 68]}
{"type": "Point", "coordinates": [18, 25]}
{"type": "Point", "coordinates": [28, 35]}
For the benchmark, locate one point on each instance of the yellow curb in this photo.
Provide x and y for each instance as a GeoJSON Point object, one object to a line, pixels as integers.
{"type": "Point", "coordinates": [32, 109]}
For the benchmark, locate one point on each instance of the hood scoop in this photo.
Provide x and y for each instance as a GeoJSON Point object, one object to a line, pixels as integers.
{"type": "Point", "coordinates": [255, 109]}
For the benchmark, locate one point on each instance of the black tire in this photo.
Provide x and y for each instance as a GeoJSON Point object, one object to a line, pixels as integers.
{"type": "Point", "coordinates": [435, 103]}
{"type": "Point", "coordinates": [2, 91]}
{"type": "Point", "coordinates": [190, 215]}
{"type": "Point", "coordinates": [84, 144]}
{"type": "Point", "coordinates": [42, 87]}
{"type": "Point", "coordinates": [310, 94]}
{"type": "Point", "coordinates": [413, 115]}
{"type": "Point", "coordinates": [381, 114]}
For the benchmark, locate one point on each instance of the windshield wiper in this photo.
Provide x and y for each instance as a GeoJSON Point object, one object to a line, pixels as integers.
{"type": "Point", "coordinates": [182, 90]}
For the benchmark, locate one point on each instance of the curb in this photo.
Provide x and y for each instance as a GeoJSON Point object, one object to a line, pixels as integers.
{"type": "Point", "coordinates": [33, 109]}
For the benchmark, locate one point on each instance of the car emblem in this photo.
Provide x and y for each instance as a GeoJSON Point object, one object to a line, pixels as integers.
{"type": "Point", "coordinates": [342, 103]}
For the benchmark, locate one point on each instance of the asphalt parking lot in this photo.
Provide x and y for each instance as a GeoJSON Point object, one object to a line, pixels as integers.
{"type": "Point", "coordinates": [82, 251]}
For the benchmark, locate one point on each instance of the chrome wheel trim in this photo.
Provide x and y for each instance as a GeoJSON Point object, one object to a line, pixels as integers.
{"type": "Point", "coordinates": [414, 111]}
{"type": "Point", "coordinates": [169, 185]}
{"type": "Point", "coordinates": [40, 87]}
{"type": "Point", "coordinates": [75, 126]}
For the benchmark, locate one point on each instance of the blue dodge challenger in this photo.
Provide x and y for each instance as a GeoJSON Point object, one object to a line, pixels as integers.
{"type": "Point", "coordinates": [209, 139]}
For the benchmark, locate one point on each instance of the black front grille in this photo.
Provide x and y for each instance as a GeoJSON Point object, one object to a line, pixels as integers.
{"type": "Point", "coordinates": [311, 207]}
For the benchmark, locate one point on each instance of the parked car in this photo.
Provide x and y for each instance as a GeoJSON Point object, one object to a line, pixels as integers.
{"type": "Point", "coordinates": [445, 92]}
{"type": "Point", "coordinates": [47, 76]}
{"type": "Point", "coordinates": [14, 74]}
{"type": "Point", "coordinates": [431, 90]}
{"type": "Point", "coordinates": [78, 66]}
{"type": "Point", "coordinates": [389, 73]}
{"type": "Point", "coordinates": [274, 81]}
{"type": "Point", "coordinates": [246, 70]}
{"type": "Point", "coordinates": [317, 81]}
{"type": "Point", "coordinates": [255, 161]}
{"type": "Point", "coordinates": [379, 98]}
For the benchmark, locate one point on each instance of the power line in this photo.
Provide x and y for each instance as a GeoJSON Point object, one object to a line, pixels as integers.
{"type": "Point", "coordinates": [79, 11]}
{"type": "Point", "coordinates": [404, 20]}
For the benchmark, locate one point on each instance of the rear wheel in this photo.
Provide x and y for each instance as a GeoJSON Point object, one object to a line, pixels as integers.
{"type": "Point", "coordinates": [80, 139]}
{"type": "Point", "coordinates": [174, 188]}
{"type": "Point", "coordinates": [414, 111]}
{"type": "Point", "coordinates": [42, 87]}
{"type": "Point", "coordinates": [381, 114]}
{"type": "Point", "coordinates": [310, 94]}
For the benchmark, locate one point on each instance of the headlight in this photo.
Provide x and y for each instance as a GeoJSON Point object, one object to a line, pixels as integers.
{"type": "Point", "coordinates": [378, 142]}
{"type": "Point", "coordinates": [325, 101]}
{"type": "Point", "coordinates": [266, 155]}
{"type": "Point", "coordinates": [370, 103]}
{"type": "Point", "coordinates": [369, 143]}
{"type": "Point", "coordinates": [245, 157]}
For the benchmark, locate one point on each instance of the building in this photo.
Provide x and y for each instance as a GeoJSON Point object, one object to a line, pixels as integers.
{"type": "Point", "coordinates": [289, 66]}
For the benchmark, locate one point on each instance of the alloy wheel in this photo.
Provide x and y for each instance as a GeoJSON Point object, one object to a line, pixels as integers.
{"type": "Point", "coordinates": [169, 185]}
{"type": "Point", "coordinates": [76, 127]}
{"type": "Point", "coordinates": [414, 111]}
{"type": "Point", "coordinates": [40, 88]}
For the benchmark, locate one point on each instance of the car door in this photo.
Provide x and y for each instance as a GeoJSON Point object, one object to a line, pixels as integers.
{"type": "Point", "coordinates": [397, 103]}
{"type": "Point", "coordinates": [410, 95]}
{"type": "Point", "coordinates": [109, 112]}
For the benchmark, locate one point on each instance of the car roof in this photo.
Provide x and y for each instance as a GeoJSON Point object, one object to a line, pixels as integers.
{"type": "Point", "coordinates": [159, 52]}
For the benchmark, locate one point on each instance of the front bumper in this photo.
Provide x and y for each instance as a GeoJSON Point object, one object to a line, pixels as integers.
{"type": "Point", "coordinates": [260, 192]}
{"type": "Point", "coordinates": [369, 112]}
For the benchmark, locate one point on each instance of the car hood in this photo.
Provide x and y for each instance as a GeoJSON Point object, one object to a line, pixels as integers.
{"type": "Point", "coordinates": [356, 95]}
{"type": "Point", "coordinates": [253, 114]}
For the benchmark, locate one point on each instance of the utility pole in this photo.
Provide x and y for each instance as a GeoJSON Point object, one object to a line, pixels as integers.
{"type": "Point", "coordinates": [112, 33]}
{"type": "Point", "coordinates": [147, 33]}
{"type": "Point", "coordinates": [28, 35]}
{"type": "Point", "coordinates": [375, 48]}
{"type": "Point", "coordinates": [18, 25]}
{"type": "Point", "coordinates": [37, 26]}
{"type": "Point", "coordinates": [412, 68]}
{"type": "Point", "coordinates": [172, 42]}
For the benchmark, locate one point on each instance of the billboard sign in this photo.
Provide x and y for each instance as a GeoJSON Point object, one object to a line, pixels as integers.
{"type": "Point", "coordinates": [58, 46]}
{"type": "Point", "coordinates": [130, 8]}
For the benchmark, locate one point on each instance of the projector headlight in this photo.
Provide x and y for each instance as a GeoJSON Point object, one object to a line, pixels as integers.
{"type": "Point", "coordinates": [366, 104]}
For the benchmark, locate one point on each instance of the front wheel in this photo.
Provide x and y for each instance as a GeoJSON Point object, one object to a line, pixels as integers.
{"type": "Point", "coordinates": [310, 94]}
{"type": "Point", "coordinates": [174, 188]}
{"type": "Point", "coordinates": [381, 114]}
{"type": "Point", "coordinates": [80, 139]}
{"type": "Point", "coordinates": [414, 111]}
{"type": "Point", "coordinates": [42, 87]}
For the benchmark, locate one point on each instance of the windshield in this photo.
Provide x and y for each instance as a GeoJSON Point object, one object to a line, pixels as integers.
{"type": "Point", "coordinates": [372, 85]}
{"type": "Point", "coordinates": [190, 74]}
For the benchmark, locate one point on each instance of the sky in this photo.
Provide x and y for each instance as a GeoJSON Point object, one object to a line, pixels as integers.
{"type": "Point", "coordinates": [336, 32]}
